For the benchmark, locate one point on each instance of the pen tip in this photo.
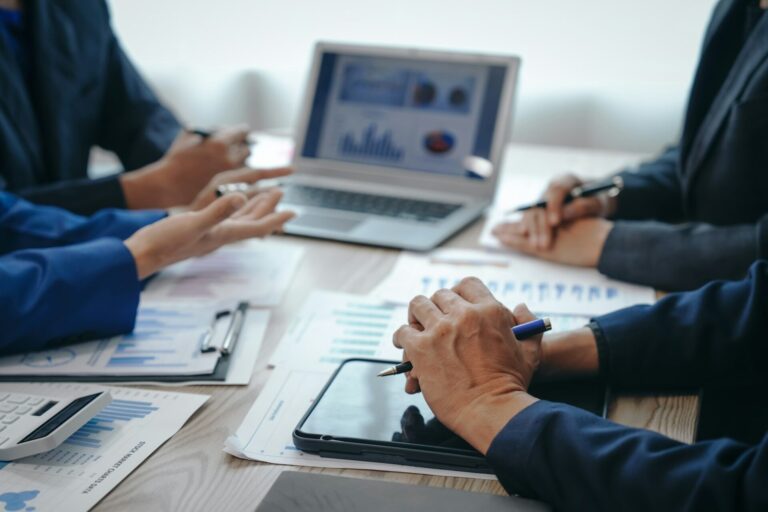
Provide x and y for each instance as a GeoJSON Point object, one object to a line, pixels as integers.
{"type": "Point", "coordinates": [388, 371]}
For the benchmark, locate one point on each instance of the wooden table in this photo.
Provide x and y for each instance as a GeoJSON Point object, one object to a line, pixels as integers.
{"type": "Point", "coordinates": [191, 472]}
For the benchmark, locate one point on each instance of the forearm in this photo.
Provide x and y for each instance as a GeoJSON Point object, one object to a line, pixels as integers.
{"type": "Point", "coordinates": [690, 339]}
{"type": "Point", "coordinates": [52, 296]}
{"type": "Point", "coordinates": [27, 226]}
{"type": "Point", "coordinates": [577, 461]}
{"type": "Point", "coordinates": [673, 258]}
{"type": "Point", "coordinates": [82, 197]}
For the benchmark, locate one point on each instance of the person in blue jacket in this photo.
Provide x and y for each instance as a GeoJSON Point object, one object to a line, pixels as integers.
{"type": "Point", "coordinates": [66, 86]}
{"type": "Point", "coordinates": [474, 375]}
{"type": "Point", "coordinates": [697, 212]}
{"type": "Point", "coordinates": [65, 278]}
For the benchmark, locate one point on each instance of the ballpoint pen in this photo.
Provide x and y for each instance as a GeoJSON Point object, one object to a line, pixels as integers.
{"type": "Point", "coordinates": [612, 186]}
{"type": "Point", "coordinates": [522, 331]}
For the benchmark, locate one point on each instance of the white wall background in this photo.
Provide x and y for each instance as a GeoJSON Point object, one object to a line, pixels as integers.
{"type": "Point", "coordinates": [596, 73]}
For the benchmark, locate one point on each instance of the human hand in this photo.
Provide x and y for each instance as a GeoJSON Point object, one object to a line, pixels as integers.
{"type": "Point", "coordinates": [577, 243]}
{"type": "Point", "coordinates": [539, 224]}
{"type": "Point", "coordinates": [229, 219]}
{"type": "Point", "coordinates": [190, 164]}
{"type": "Point", "coordinates": [466, 361]}
{"type": "Point", "coordinates": [244, 175]}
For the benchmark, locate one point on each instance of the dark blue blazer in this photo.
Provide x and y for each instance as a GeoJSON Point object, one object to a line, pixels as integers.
{"type": "Point", "coordinates": [700, 211]}
{"type": "Point", "coordinates": [577, 461]}
{"type": "Point", "coordinates": [64, 277]}
{"type": "Point", "coordinates": [83, 92]}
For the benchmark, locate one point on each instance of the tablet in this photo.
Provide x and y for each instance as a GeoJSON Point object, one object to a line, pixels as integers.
{"type": "Point", "coordinates": [359, 416]}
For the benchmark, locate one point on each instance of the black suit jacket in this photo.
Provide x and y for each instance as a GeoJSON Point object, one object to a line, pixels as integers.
{"type": "Point", "coordinates": [83, 92]}
{"type": "Point", "coordinates": [703, 203]}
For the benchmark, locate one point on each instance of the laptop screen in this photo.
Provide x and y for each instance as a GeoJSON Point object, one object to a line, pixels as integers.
{"type": "Point", "coordinates": [414, 114]}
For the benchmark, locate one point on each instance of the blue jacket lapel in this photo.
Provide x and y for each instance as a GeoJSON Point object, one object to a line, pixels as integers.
{"type": "Point", "coordinates": [754, 52]}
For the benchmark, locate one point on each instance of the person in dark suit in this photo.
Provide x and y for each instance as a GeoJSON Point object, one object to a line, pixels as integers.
{"type": "Point", "coordinates": [66, 86]}
{"type": "Point", "coordinates": [66, 278]}
{"type": "Point", "coordinates": [699, 211]}
{"type": "Point", "coordinates": [474, 375]}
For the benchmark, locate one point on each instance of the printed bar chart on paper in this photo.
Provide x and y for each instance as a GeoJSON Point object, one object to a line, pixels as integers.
{"type": "Point", "coordinates": [108, 420]}
{"type": "Point", "coordinates": [332, 327]}
{"type": "Point", "coordinates": [166, 341]}
{"type": "Point", "coordinates": [544, 287]}
{"type": "Point", "coordinates": [96, 458]}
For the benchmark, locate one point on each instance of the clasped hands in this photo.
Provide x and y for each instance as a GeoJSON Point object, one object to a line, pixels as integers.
{"type": "Point", "coordinates": [572, 233]}
{"type": "Point", "coordinates": [466, 361]}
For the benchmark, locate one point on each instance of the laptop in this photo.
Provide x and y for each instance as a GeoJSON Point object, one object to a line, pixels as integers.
{"type": "Point", "coordinates": [398, 147]}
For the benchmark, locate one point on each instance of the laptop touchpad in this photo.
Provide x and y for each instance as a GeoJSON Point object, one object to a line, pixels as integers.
{"type": "Point", "coordinates": [325, 222]}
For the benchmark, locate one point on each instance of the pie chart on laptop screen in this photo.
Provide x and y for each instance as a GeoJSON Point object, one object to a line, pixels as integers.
{"type": "Point", "coordinates": [439, 142]}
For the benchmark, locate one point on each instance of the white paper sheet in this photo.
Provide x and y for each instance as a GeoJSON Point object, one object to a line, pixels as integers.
{"type": "Point", "coordinates": [516, 190]}
{"type": "Point", "coordinates": [331, 327]}
{"type": "Point", "coordinates": [166, 341]}
{"type": "Point", "coordinates": [81, 471]}
{"type": "Point", "coordinates": [544, 287]}
{"type": "Point", "coordinates": [266, 432]}
{"type": "Point", "coordinates": [259, 271]}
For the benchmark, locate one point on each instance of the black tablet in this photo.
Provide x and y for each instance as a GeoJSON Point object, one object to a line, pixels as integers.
{"type": "Point", "coordinates": [360, 416]}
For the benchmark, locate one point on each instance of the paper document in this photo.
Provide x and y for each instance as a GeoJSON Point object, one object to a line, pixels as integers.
{"type": "Point", "coordinates": [166, 341]}
{"type": "Point", "coordinates": [329, 328]}
{"type": "Point", "coordinates": [546, 288]}
{"type": "Point", "coordinates": [95, 459]}
{"type": "Point", "coordinates": [258, 271]}
{"type": "Point", "coordinates": [332, 327]}
{"type": "Point", "coordinates": [516, 190]}
{"type": "Point", "coordinates": [266, 432]}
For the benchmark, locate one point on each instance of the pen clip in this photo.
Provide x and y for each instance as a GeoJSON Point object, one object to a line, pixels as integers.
{"type": "Point", "coordinates": [234, 329]}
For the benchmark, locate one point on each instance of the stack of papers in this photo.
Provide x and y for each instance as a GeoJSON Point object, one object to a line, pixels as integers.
{"type": "Point", "coordinates": [94, 460]}
{"type": "Point", "coordinates": [546, 288]}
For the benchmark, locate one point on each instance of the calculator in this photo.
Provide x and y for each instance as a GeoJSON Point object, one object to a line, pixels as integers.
{"type": "Point", "coordinates": [32, 424]}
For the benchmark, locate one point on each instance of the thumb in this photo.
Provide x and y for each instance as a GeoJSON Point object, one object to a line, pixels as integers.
{"type": "Point", "coordinates": [220, 210]}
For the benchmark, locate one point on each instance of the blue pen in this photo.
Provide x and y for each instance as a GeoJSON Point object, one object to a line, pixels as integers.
{"type": "Point", "coordinates": [521, 332]}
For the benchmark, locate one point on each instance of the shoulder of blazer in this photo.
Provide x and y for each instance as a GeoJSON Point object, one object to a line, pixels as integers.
{"type": "Point", "coordinates": [752, 55]}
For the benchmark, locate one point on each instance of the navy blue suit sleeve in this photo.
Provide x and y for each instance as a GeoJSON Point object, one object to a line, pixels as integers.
{"type": "Point", "coordinates": [66, 294]}
{"type": "Point", "coordinates": [26, 226]}
{"type": "Point", "coordinates": [134, 124]}
{"type": "Point", "coordinates": [675, 257]}
{"type": "Point", "coordinates": [653, 190]}
{"type": "Point", "coordinates": [84, 196]}
{"type": "Point", "coordinates": [712, 335]}
{"type": "Point", "coordinates": [575, 460]}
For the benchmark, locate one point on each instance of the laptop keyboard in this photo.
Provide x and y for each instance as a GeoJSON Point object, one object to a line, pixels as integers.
{"type": "Point", "coordinates": [387, 206]}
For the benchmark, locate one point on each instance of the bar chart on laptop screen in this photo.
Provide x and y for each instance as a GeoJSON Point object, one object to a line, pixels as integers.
{"type": "Point", "coordinates": [370, 145]}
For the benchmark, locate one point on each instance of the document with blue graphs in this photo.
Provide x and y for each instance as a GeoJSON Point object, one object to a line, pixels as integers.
{"type": "Point", "coordinates": [547, 288]}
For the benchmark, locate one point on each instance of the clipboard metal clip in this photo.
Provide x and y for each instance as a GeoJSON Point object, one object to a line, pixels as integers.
{"type": "Point", "coordinates": [233, 330]}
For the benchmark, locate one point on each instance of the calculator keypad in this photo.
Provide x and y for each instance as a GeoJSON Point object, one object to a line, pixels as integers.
{"type": "Point", "coordinates": [13, 407]}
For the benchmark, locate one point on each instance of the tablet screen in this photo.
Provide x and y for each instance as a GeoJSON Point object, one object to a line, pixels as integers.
{"type": "Point", "coordinates": [358, 404]}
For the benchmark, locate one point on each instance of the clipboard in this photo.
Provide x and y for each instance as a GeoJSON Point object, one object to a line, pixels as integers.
{"type": "Point", "coordinates": [227, 352]}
